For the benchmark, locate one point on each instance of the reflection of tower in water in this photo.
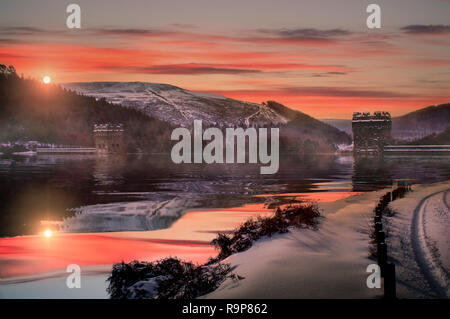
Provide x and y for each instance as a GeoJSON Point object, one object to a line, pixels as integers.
{"type": "Point", "coordinates": [108, 170]}
{"type": "Point", "coordinates": [109, 142]}
{"type": "Point", "coordinates": [370, 172]}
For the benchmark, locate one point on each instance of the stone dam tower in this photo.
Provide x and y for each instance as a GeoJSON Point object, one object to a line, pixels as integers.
{"type": "Point", "coordinates": [109, 138]}
{"type": "Point", "coordinates": [371, 132]}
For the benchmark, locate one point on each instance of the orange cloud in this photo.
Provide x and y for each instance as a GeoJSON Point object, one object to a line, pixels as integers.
{"type": "Point", "coordinates": [307, 68]}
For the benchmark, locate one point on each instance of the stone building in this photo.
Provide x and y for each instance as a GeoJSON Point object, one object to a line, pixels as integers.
{"type": "Point", "coordinates": [109, 138]}
{"type": "Point", "coordinates": [371, 132]}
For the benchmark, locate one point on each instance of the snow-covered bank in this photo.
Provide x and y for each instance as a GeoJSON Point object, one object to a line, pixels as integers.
{"type": "Point", "coordinates": [332, 262]}
{"type": "Point", "coordinates": [419, 244]}
{"type": "Point", "coordinates": [328, 263]}
{"type": "Point", "coordinates": [93, 286]}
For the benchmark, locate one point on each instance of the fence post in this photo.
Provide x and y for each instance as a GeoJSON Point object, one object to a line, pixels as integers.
{"type": "Point", "coordinates": [382, 256]}
{"type": "Point", "coordinates": [378, 227]}
{"type": "Point", "coordinates": [380, 236]}
{"type": "Point", "coordinates": [378, 211]}
{"type": "Point", "coordinates": [390, 289]}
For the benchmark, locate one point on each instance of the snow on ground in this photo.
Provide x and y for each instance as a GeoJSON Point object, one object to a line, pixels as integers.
{"type": "Point", "coordinates": [328, 263]}
{"type": "Point", "coordinates": [93, 286]}
{"type": "Point", "coordinates": [418, 242]}
{"type": "Point", "coordinates": [176, 105]}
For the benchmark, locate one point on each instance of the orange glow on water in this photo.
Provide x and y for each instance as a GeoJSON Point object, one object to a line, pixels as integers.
{"type": "Point", "coordinates": [26, 255]}
{"type": "Point", "coordinates": [188, 238]}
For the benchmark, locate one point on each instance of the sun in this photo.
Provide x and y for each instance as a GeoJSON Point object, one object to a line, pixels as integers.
{"type": "Point", "coordinates": [46, 79]}
{"type": "Point", "coordinates": [48, 233]}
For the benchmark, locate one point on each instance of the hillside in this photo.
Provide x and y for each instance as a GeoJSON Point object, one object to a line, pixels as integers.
{"type": "Point", "coordinates": [30, 110]}
{"type": "Point", "coordinates": [423, 122]}
{"type": "Point", "coordinates": [344, 125]}
{"type": "Point", "coordinates": [181, 107]}
{"type": "Point", "coordinates": [442, 138]}
{"type": "Point", "coordinates": [305, 132]}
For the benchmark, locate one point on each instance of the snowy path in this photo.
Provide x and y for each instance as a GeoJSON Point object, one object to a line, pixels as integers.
{"type": "Point", "coordinates": [430, 222]}
{"type": "Point", "coordinates": [418, 241]}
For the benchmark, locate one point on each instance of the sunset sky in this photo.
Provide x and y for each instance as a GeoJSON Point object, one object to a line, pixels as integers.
{"type": "Point", "coordinates": [315, 56]}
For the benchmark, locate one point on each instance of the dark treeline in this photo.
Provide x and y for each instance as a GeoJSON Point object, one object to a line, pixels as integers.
{"type": "Point", "coordinates": [305, 134]}
{"type": "Point", "coordinates": [31, 110]}
{"type": "Point", "coordinates": [442, 138]}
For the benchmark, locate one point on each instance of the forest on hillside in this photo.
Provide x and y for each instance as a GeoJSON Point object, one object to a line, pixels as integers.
{"type": "Point", "coordinates": [442, 138]}
{"type": "Point", "coordinates": [31, 110]}
{"type": "Point", "coordinates": [305, 134]}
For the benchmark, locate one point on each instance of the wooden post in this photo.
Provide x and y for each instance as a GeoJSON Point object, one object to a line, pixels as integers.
{"type": "Point", "coordinates": [378, 211]}
{"type": "Point", "coordinates": [382, 256]}
{"type": "Point", "coordinates": [390, 285]}
{"type": "Point", "coordinates": [380, 236]}
{"type": "Point", "coordinates": [378, 227]}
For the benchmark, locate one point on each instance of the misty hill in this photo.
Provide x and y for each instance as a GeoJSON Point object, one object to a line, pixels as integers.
{"type": "Point", "coordinates": [343, 125]}
{"type": "Point", "coordinates": [30, 110]}
{"type": "Point", "coordinates": [181, 107]}
{"type": "Point", "coordinates": [423, 122]}
{"type": "Point", "coordinates": [411, 126]}
{"type": "Point", "coordinates": [302, 128]}
{"type": "Point", "coordinates": [442, 138]}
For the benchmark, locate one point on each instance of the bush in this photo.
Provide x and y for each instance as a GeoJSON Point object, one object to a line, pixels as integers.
{"type": "Point", "coordinates": [169, 278]}
{"type": "Point", "coordinates": [243, 237]}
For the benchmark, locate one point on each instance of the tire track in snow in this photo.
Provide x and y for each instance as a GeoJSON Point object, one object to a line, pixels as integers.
{"type": "Point", "coordinates": [430, 268]}
{"type": "Point", "coordinates": [445, 199]}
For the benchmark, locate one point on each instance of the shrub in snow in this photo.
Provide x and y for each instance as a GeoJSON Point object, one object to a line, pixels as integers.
{"type": "Point", "coordinates": [243, 237]}
{"type": "Point", "coordinates": [172, 278]}
{"type": "Point", "coordinates": [169, 278]}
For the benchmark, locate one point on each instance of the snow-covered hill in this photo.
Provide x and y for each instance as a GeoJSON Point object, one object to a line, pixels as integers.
{"type": "Point", "coordinates": [179, 106]}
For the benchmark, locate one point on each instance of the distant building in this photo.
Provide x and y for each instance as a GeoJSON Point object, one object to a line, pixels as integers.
{"type": "Point", "coordinates": [371, 132]}
{"type": "Point", "coordinates": [109, 138]}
